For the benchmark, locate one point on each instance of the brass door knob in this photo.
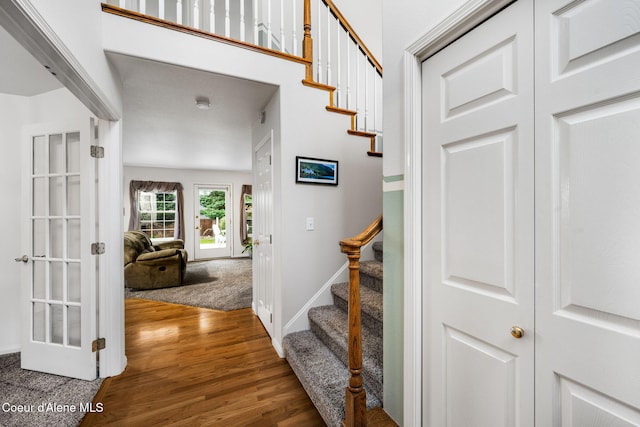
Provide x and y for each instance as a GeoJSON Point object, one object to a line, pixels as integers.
{"type": "Point", "coordinates": [517, 332]}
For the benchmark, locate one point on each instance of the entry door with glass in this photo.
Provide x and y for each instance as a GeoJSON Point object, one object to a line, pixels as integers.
{"type": "Point", "coordinates": [213, 219]}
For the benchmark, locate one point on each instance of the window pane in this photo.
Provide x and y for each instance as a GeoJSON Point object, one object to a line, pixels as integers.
{"type": "Point", "coordinates": [56, 272]}
{"type": "Point", "coordinates": [56, 154]}
{"type": "Point", "coordinates": [73, 322]}
{"type": "Point", "coordinates": [73, 239]}
{"type": "Point", "coordinates": [39, 279]}
{"type": "Point", "coordinates": [56, 237]}
{"type": "Point", "coordinates": [56, 196]}
{"type": "Point", "coordinates": [39, 319]}
{"type": "Point", "coordinates": [40, 155]}
{"type": "Point", "coordinates": [39, 238]}
{"type": "Point", "coordinates": [73, 152]}
{"type": "Point", "coordinates": [73, 282]}
{"type": "Point", "coordinates": [39, 197]}
{"type": "Point", "coordinates": [57, 329]}
{"type": "Point", "coordinates": [73, 195]}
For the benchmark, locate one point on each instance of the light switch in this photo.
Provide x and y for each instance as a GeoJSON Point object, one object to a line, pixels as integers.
{"type": "Point", "coordinates": [310, 224]}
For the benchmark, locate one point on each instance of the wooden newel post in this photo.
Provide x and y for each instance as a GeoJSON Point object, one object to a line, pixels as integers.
{"type": "Point", "coordinates": [307, 41]}
{"type": "Point", "coordinates": [356, 398]}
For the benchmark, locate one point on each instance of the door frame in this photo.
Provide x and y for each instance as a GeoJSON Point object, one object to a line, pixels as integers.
{"type": "Point", "coordinates": [462, 20]}
{"type": "Point", "coordinates": [23, 21]}
{"type": "Point", "coordinates": [229, 215]}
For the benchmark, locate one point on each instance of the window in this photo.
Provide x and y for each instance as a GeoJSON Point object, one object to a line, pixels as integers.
{"type": "Point", "coordinates": [157, 214]}
{"type": "Point", "coordinates": [156, 209]}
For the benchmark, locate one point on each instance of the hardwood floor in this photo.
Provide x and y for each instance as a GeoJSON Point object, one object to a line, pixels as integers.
{"type": "Point", "coordinates": [190, 366]}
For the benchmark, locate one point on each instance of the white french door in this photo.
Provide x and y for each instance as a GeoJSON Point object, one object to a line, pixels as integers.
{"type": "Point", "coordinates": [263, 234]}
{"type": "Point", "coordinates": [478, 157]}
{"type": "Point", "coordinates": [531, 201]}
{"type": "Point", "coordinates": [60, 274]}
{"type": "Point", "coordinates": [213, 221]}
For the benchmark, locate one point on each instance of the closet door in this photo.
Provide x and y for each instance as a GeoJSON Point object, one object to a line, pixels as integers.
{"type": "Point", "coordinates": [478, 253]}
{"type": "Point", "coordinates": [587, 213]}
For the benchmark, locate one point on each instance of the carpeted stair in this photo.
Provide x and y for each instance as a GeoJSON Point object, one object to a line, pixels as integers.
{"type": "Point", "coordinates": [319, 356]}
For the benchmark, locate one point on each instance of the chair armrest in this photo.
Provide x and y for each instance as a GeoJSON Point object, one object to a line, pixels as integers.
{"type": "Point", "coordinates": [172, 244]}
{"type": "Point", "coordinates": [150, 256]}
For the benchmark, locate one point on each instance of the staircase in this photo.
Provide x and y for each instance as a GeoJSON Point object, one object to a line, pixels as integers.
{"type": "Point", "coordinates": [319, 356]}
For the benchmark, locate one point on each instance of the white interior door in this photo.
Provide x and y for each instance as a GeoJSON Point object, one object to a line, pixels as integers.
{"type": "Point", "coordinates": [213, 221]}
{"type": "Point", "coordinates": [263, 234]}
{"type": "Point", "coordinates": [588, 213]}
{"type": "Point", "coordinates": [59, 280]}
{"type": "Point", "coordinates": [478, 204]}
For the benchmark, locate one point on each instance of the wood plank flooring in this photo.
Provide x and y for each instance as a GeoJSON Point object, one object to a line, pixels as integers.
{"type": "Point", "coordinates": [190, 366]}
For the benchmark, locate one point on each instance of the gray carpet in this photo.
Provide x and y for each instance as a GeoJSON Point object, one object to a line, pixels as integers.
{"type": "Point", "coordinates": [222, 284]}
{"type": "Point", "coordinates": [39, 392]}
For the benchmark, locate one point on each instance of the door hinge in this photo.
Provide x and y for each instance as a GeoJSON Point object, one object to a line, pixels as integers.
{"type": "Point", "coordinates": [97, 152]}
{"type": "Point", "coordinates": [270, 317]}
{"type": "Point", "coordinates": [97, 248]}
{"type": "Point", "coordinates": [271, 239]}
{"type": "Point", "coordinates": [269, 160]}
{"type": "Point", "coordinates": [98, 344]}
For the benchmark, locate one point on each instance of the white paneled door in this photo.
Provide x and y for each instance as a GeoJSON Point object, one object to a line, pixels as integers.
{"type": "Point", "coordinates": [588, 213]}
{"type": "Point", "coordinates": [531, 205]}
{"type": "Point", "coordinates": [59, 280]}
{"type": "Point", "coordinates": [478, 157]}
{"type": "Point", "coordinates": [263, 234]}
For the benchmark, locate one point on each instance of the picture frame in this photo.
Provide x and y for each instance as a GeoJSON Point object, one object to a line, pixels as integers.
{"type": "Point", "coordinates": [310, 170]}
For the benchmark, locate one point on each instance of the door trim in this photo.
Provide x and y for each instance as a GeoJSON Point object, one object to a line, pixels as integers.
{"type": "Point", "coordinates": [462, 20]}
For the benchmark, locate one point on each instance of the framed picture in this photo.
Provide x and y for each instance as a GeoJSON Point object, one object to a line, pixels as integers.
{"type": "Point", "coordinates": [316, 171]}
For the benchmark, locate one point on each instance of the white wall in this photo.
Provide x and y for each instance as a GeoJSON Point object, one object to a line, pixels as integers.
{"type": "Point", "coordinates": [403, 21]}
{"type": "Point", "coordinates": [13, 112]}
{"type": "Point", "coordinates": [365, 16]}
{"type": "Point", "coordinates": [78, 26]}
{"type": "Point", "coordinates": [188, 178]}
{"type": "Point", "coordinates": [16, 112]}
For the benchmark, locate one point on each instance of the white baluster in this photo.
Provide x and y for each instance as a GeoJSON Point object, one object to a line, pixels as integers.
{"type": "Point", "coordinates": [179, 11]}
{"type": "Point", "coordinates": [196, 15]}
{"type": "Point", "coordinates": [282, 42]}
{"type": "Point", "coordinates": [358, 116]}
{"type": "Point", "coordinates": [373, 100]}
{"type": "Point", "coordinates": [242, 27]}
{"type": "Point", "coordinates": [339, 70]}
{"type": "Point", "coordinates": [255, 23]}
{"type": "Point", "coordinates": [269, 24]}
{"type": "Point", "coordinates": [319, 78]}
{"type": "Point", "coordinates": [122, 4]}
{"type": "Point", "coordinates": [328, 46]}
{"type": "Point", "coordinates": [227, 19]}
{"type": "Point", "coordinates": [366, 93]}
{"type": "Point", "coordinates": [294, 39]}
{"type": "Point", "coordinates": [142, 7]}
{"type": "Point", "coordinates": [161, 9]}
{"type": "Point", "coordinates": [212, 16]}
{"type": "Point", "coordinates": [349, 103]}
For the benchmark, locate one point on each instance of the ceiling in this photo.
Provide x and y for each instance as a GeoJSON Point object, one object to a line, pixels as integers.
{"type": "Point", "coordinates": [20, 73]}
{"type": "Point", "coordinates": [163, 128]}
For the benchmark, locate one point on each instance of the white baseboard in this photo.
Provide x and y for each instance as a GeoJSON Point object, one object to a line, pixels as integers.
{"type": "Point", "coordinates": [278, 346]}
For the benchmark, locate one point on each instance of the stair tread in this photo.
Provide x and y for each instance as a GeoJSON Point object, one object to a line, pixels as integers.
{"type": "Point", "coordinates": [371, 301]}
{"type": "Point", "coordinates": [334, 322]}
{"type": "Point", "coordinates": [373, 268]}
{"type": "Point", "coordinates": [322, 375]}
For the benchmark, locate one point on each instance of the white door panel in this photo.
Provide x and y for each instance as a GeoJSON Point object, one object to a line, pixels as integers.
{"type": "Point", "coordinates": [59, 280]}
{"type": "Point", "coordinates": [478, 155]}
{"type": "Point", "coordinates": [587, 205]}
{"type": "Point", "coordinates": [263, 234]}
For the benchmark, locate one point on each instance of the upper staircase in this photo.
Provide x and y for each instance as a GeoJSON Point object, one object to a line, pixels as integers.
{"type": "Point", "coordinates": [316, 34]}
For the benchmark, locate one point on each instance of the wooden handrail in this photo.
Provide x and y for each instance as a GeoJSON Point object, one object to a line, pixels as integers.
{"type": "Point", "coordinates": [356, 397]}
{"type": "Point", "coordinates": [345, 24]}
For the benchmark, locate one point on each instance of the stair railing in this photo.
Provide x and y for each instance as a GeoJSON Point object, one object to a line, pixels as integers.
{"type": "Point", "coordinates": [356, 398]}
{"type": "Point", "coordinates": [341, 61]}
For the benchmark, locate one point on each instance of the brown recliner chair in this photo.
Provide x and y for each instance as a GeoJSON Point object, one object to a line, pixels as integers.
{"type": "Point", "coordinates": [148, 266]}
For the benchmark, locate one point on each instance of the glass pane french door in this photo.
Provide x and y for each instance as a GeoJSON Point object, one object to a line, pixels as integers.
{"type": "Point", "coordinates": [59, 295]}
{"type": "Point", "coordinates": [213, 221]}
